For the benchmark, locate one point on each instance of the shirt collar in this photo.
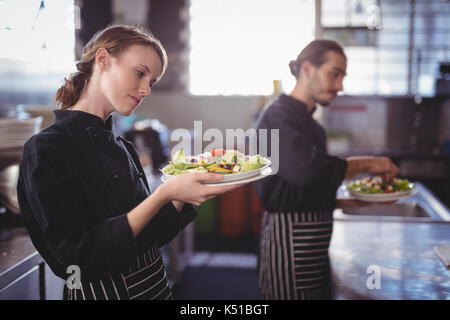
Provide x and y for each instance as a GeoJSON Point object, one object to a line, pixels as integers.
{"type": "Point", "coordinates": [82, 119]}
{"type": "Point", "coordinates": [295, 105]}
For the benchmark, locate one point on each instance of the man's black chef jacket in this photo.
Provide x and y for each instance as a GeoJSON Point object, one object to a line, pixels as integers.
{"type": "Point", "coordinates": [308, 177]}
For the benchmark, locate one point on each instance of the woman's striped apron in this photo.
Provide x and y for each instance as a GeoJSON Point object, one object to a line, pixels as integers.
{"type": "Point", "coordinates": [144, 280]}
{"type": "Point", "coordinates": [293, 262]}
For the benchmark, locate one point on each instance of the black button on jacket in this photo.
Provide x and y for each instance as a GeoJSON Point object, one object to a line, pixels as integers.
{"type": "Point", "coordinates": [77, 183]}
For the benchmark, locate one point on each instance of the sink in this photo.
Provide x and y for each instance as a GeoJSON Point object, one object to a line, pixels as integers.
{"type": "Point", "coordinates": [423, 206]}
{"type": "Point", "coordinates": [400, 211]}
{"type": "Point", "coordinates": [393, 210]}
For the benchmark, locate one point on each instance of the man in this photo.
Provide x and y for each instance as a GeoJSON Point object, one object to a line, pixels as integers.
{"type": "Point", "coordinates": [299, 200]}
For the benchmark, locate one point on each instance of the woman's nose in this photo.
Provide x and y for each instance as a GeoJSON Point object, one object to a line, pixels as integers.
{"type": "Point", "coordinates": [145, 90]}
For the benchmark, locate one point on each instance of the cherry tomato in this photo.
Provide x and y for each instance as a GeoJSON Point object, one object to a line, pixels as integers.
{"type": "Point", "coordinates": [217, 152]}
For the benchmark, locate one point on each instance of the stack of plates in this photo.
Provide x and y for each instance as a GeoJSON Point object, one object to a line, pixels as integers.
{"type": "Point", "coordinates": [15, 132]}
{"type": "Point", "coordinates": [9, 177]}
{"type": "Point", "coordinates": [41, 111]}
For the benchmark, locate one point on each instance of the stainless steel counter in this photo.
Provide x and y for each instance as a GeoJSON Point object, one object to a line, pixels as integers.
{"type": "Point", "coordinates": [400, 252]}
{"type": "Point", "coordinates": [23, 273]}
{"type": "Point", "coordinates": [403, 253]}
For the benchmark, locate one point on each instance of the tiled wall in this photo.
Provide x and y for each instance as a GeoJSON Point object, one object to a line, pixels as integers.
{"type": "Point", "coordinates": [374, 126]}
{"type": "Point", "coordinates": [364, 118]}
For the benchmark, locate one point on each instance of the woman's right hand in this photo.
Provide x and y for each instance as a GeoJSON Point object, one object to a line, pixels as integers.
{"type": "Point", "coordinates": [188, 187]}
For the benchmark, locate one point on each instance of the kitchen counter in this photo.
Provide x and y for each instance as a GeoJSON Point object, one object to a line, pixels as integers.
{"type": "Point", "coordinates": [22, 270]}
{"type": "Point", "coordinates": [24, 275]}
{"type": "Point", "coordinates": [15, 248]}
{"type": "Point", "coordinates": [401, 251]}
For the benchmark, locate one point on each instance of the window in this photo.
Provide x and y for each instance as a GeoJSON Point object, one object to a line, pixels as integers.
{"type": "Point", "coordinates": [38, 41]}
{"type": "Point", "coordinates": [399, 56]}
{"type": "Point", "coordinates": [240, 47]}
{"type": "Point", "coordinates": [37, 36]}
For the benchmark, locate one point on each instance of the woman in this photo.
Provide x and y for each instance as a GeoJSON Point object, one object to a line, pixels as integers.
{"type": "Point", "coordinates": [83, 195]}
{"type": "Point", "coordinates": [299, 200]}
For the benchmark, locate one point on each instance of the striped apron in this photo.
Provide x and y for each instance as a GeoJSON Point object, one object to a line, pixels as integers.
{"type": "Point", "coordinates": [293, 259]}
{"type": "Point", "coordinates": [144, 280]}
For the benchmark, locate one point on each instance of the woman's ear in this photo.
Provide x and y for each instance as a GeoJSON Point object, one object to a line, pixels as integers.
{"type": "Point", "coordinates": [102, 58]}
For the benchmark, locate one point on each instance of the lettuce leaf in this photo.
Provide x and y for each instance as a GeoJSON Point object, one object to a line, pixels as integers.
{"type": "Point", "coordinates": [179, 157]}
{"type": "Point", "coordinates": [254, 162]}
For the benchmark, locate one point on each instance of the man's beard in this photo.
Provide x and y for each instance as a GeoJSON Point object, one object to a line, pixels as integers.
{"type": "Point", "coordinates": [324, 103]}
{"type": "Point", "coordinates": [315, 83]}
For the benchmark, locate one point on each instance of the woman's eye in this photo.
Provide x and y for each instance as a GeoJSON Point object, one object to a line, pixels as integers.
{"type": "Point", "coordinates": [140, 73]}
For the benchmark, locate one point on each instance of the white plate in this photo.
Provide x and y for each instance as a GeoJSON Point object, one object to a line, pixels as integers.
{"type": "Point", "coordinates": [263, 174]}
{"type": "Point", "coordinates": [381, 197]}
{"type": "Point", "coordinates": [237, 176]}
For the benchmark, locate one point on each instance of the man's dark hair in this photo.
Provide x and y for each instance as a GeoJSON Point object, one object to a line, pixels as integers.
{"type": "Point", "coordinates": [315, 52]}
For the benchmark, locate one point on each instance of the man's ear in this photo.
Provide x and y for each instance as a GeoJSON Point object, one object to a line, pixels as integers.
{"type": "Point", "coordinates": [102, 58]}
{"type": "Point", "coordinates": [306, 68]}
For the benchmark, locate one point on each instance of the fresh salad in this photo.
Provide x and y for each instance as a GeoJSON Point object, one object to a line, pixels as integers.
{"type": "Point", "coordinates": [378, 185]}
{"type": "Point", "coordinates": [218, 161]}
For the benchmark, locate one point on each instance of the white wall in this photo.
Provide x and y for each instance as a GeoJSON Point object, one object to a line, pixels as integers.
{"type": "Point", "coordinates": [180, 110]}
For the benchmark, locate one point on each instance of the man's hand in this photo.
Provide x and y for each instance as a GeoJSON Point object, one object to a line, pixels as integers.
{"type": "Point", "coordinates": [382, 166]}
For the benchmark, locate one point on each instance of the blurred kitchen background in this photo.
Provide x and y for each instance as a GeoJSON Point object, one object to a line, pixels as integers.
{"type": "Point", "coordinates": [227, 59]}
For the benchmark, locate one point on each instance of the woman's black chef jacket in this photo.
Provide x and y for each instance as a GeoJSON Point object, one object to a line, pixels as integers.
{"type": "Point", "coordinates": [77, 183]}
{"type": "Point", "coordinates": [308, 177]}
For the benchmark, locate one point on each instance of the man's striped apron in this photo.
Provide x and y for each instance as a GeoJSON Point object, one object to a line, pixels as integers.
{"type": "Point", "coordinates": [293, 262]}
